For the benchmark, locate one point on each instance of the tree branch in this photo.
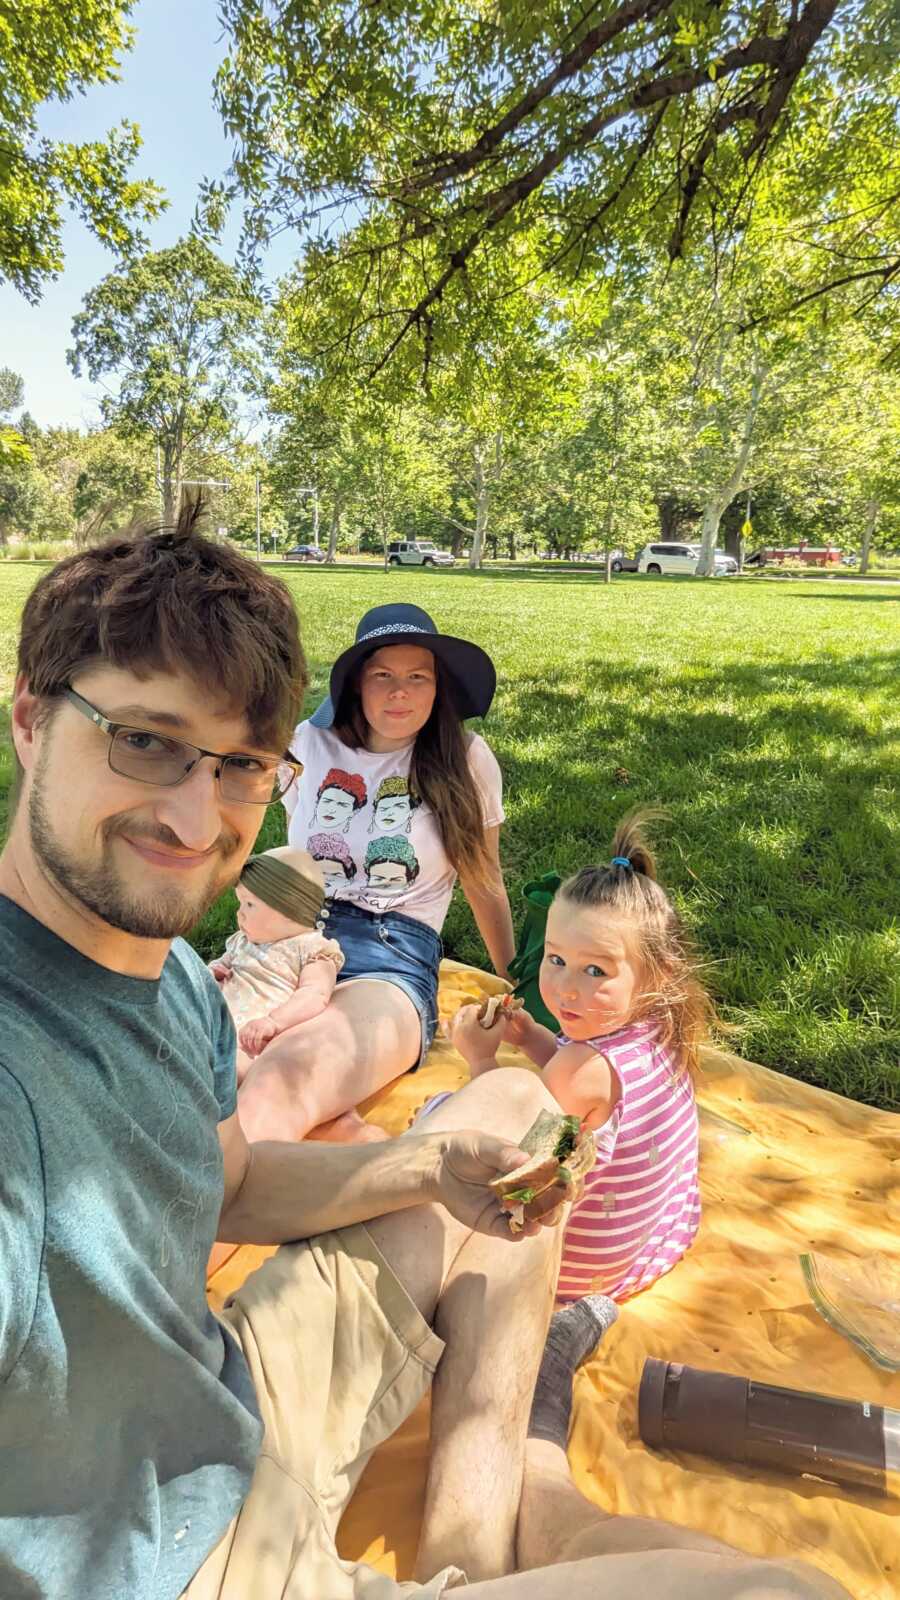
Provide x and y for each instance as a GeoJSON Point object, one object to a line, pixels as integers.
{"type": "Point", "coordinates": [884, 273]}
{"type": "Point", "coordinates": [457, 163]}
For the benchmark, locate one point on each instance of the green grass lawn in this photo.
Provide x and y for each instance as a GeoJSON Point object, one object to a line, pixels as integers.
{"type": "Point", "coordinates": [764, 716]}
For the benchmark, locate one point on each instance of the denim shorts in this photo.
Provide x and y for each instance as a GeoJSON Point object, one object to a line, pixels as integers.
{"type": "Point", "coordinates": [394, 948]}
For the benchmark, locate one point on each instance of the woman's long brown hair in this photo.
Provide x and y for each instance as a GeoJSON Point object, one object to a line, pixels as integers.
{"type": "Point", "coordinates": [672, 993]}
{"type": "Point", "coordinates": [439, 773]}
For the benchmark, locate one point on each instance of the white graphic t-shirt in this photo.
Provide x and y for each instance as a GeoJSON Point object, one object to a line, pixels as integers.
{"type": "Point", "coordinates": [378, 845]}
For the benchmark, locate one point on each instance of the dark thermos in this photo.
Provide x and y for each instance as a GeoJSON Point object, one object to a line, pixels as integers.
{"type": "Point", "coordinates": [735, 1419]}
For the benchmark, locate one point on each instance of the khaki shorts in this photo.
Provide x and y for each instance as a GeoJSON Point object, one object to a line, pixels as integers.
{"type": "Point", "coordinates": [339, 1357]}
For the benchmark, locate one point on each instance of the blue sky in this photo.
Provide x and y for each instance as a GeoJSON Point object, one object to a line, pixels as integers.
{"type": "Point", "coordinates": [166, 90]}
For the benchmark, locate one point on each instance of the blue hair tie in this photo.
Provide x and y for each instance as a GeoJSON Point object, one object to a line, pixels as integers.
{"type": "Point", "coordinates": [621, 861]}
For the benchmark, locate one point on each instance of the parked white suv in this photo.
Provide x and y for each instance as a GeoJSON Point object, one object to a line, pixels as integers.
{"type": "Point", "coordinates": [681, 558]}
{"type": "Point", "coordinates": [418, 553]}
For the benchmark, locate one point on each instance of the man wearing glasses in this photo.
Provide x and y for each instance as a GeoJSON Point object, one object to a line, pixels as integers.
{"type": "Point", "coordinates": [148, 1450]}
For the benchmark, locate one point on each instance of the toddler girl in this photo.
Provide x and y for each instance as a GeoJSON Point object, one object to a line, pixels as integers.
{"type": "Point", "coordinates": [618, 975]}
{"type": "Point", "coordinates": [277, 970]}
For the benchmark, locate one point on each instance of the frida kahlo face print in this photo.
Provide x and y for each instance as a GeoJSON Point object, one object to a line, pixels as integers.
{"type": "Point", "coordinates": [334, 858]}
{"type": "Point", "coordinates": [390, 865]}
{"type": "Point", "coordinates": [393, 806]}
{"type": "Point", "coordinates": [340, 795]}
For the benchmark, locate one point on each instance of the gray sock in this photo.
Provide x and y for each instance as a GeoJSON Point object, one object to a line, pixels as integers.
{"type": "Point", "coordinates": [574, 1332]}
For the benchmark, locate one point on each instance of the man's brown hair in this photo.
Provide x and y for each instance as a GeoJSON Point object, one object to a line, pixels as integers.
{"type": "Point", "coordinates": [171, 600]}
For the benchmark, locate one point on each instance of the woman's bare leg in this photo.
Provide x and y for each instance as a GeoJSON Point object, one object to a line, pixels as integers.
{"type": "Point", "coordinates": [349, 1128]}
{"type": "Point", "coordinates": [310, 1074]}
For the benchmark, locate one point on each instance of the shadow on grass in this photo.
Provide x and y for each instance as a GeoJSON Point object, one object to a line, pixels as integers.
{"type": "Point", "coordinates": [563, 574]}
{"type": "Point", "coordinates": [857, 598]}
{"type": "Point", "coordinates": [781, 851]}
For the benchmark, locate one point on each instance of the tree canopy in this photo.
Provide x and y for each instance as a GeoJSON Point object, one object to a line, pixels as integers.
{"type": "Point", "coordinates": [178, 329]}
{"type": "Point", "coordinates": [53, 50]}
{"type": "Point", "coordinates": [435, 158]}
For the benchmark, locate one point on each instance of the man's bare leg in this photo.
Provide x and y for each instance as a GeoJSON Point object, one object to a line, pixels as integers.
{"type": "Point", "coordinates": [478, 1433]}
{"type": "Point", "coordinates": [666, 1575]}
{"type": "Point", "coordinates": [490, 1300]}
{"type": "Point", "coordinates": [557, 1523]}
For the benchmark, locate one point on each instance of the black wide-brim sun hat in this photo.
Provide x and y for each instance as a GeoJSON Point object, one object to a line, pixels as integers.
{"type": "Point", "coordinates": [473, 678]}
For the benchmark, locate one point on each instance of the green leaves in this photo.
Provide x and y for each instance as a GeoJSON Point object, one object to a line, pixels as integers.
{"type": "Point", "coordinates": [180, 329]}
{"type": "Point", "coordinates": [52, 49]}
{"type": "Point", "coordinates": [438, 160]}
{"type": "Point", "coordinates": [14, 451]}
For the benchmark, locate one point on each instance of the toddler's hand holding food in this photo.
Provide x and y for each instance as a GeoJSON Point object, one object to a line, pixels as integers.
{"type": "Point", "coordinates": [469, 1037]}
{"type": "Point", "coordinates": [478, 1031]}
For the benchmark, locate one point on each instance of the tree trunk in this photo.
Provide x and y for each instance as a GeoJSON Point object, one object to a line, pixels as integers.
{"type": "Point", "coordinates": [511, 544]}
{"type": "Point", "coordinates": [482, 497]}
{"type": "Point", "coordinates": [721, 499]}
{"type": "Point", "coordinates": [334, 533]}
{"type": "Point", "coordinates": [382, 517]}
{"type": "Point", "coordinates": [315, 517]}
{"type": "Point", "coordinates": [171, 490]}
{"type": "Point", "coordinates": [865, 548]}
{"type": "Point", "coordinates": [607, 541]}
{"type": "Point", "coordinates": [673, 514]}
{"type": "Point", "coordinates": [734, 543]}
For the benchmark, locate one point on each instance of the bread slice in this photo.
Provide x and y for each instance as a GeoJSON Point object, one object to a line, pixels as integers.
{"type": "Point", "coordinates": [561, 1153]}
{"type": "Point", "coordinates": [498, 1005]}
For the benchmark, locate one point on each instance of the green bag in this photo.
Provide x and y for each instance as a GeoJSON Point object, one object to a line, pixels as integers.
{"type": "Point", "coordinates": [525, 964]}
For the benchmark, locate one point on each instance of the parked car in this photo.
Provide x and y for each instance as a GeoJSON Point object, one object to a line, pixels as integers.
{"type": "Point", "coordinates": [799, 555]}
{"type": "Point", "coordinates": [622, 563]}
{"type": "Point", "coordinates": [305, 552]}
{"type": "Point", "coordinates": [417, 553]}
{"type": "Point", "coordinates": [681, 558]}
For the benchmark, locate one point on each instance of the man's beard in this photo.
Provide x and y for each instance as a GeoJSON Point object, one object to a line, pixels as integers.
{"type": "Point", "coordinates": [163, 914]}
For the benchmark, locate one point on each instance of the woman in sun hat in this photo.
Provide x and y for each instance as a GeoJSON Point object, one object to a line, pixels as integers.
{"type": "Point", "coordinates": [390, 769]}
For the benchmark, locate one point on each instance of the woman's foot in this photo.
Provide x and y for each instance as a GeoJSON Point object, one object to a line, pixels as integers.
{"type": "Point", "coordinates": [349, 1128]}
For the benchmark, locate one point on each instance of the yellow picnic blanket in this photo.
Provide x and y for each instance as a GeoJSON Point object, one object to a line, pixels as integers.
{"type": "Point", "coordinates": [787, 1172]}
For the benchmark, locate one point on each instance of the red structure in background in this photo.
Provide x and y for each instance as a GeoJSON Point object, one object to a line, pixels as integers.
{"type": "Point", "coordinates": [808, 555]}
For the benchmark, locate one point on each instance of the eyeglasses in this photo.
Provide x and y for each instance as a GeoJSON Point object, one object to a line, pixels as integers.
{"type": "Point", "coordinates": [156, 759]}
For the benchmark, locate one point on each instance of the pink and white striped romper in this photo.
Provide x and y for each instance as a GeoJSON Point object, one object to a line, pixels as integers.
{"type": "Point", "coordinates": [641, 1205]}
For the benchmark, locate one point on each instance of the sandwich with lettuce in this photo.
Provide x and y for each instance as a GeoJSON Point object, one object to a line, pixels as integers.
{"type": "Point", "coordinates": [561, 1152]}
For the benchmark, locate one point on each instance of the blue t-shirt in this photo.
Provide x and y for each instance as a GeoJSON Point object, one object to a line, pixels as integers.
{"type": "Point", "coordinates": [128, 1423]}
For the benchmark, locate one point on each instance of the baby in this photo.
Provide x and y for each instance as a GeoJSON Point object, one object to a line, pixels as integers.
{"type": "Point", "coordinates": [278, 970]}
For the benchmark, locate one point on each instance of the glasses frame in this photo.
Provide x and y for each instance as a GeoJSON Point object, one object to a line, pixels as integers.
{"type": "Point", "coordinates": [111, 729]}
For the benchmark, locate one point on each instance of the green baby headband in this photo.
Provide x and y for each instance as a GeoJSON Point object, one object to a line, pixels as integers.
{"type": "Point", "coordinates": [282, 887]}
